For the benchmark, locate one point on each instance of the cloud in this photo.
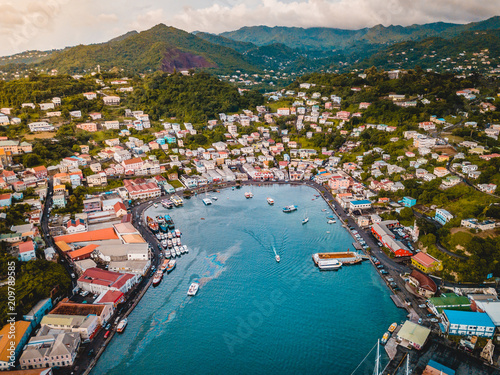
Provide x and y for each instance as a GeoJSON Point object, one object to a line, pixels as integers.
{"type": "Point", "coordinates": [148, 19]}
{"type": "Point", "coordinates": [348, 14]}
{"type": "Point", "coordinates": [112, 17]}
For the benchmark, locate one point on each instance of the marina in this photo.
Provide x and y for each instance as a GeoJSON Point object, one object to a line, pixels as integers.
{"type": "Point", "coordinates": [232, 256]}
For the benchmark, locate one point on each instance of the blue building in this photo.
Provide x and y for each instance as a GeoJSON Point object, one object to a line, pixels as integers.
{"type": "Point", "coordinates": [468, 323]}
{"type": "Point", "coordinates": [442, 216]}
{"type": "Point", "coordinates": [408, 202]}
{"type": "Point", "coordinates": [360, 205]}
{"type": "Point", "coordinates": [442, 369]}
{"type": "Point", "coordinates": [38, 311]}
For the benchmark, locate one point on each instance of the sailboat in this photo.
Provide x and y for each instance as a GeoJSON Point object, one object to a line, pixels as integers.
{"type": "Point", "coordinates": [306, 219]}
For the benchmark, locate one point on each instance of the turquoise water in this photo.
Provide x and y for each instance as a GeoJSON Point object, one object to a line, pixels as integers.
{"type": "Point", "coordinates": [251, 314]}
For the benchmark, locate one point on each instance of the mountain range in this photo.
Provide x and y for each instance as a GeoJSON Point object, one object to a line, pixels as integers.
{"type": "Point", "coordinates": [257, 48]}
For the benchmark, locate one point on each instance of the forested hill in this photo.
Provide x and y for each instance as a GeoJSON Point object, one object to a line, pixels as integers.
{"type": "Point", "coordinates": [325, 38]}
{"type": "Point", "coordinates": [159, 48]}
{"type": "Point", "coordinates": [192, 98]}
{"type": "Point", "coordinates": [440, 54]}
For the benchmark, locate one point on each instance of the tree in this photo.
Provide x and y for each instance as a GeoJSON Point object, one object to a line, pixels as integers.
{"type": "Point", "coordinates": [31, 160]}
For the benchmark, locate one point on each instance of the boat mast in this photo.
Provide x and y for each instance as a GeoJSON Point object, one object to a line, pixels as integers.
{"type": "Point", "coordinates": [408, 364]}
{"type": "Point", "coordinates": [376, 370]}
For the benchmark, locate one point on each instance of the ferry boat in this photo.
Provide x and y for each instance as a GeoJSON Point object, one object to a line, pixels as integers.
{"type": "Point", "coordinates": [277, 257]}
{"type": "Point", "coordinates": [171, 265]}
{"type": "Point", "coordinates": [193, 289]}
{"type": "Point", "coordinates": [167, 203]}
{"type": "Point", "coordinates": [157, 277]}
{"type": "Point", "coordinates": [393, 327]}
{"type": "Point", "coordinates": [248, 195]}
{"type": "Point", "coordinates": [169, 221]}
{"type": "Point", "coordinates": [152, 224]}
{"type": "Point", "coordinates": [289, 208]}
{"type": "Point", "coordinates": [164, 265]}
{"type": "Point", "coordinates": [121, 325]}
{"type": "Point", "coordinates": [385, 338]}
{"type": "Point", "coordinates": [346, 257]}
{"type": "Point", "coordinates": [207, 201]}
{"type": "Point", "coordinates": [270, 201]}
{"type": "Point", "coordinates": [176, 200]}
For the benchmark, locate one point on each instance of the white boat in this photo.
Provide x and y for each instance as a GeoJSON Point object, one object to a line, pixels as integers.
{"type": "Point", "coordinates": [177, 251]}
{"type": "Point", "coordinates": [305, 221]}
{"type": "Point", "coordinates": [277, 257]}
{"type": "Point", "coordinates": [193, 289]}
{"type": "Point", "coordinates": [173, 253]}
{"type": "Point", "coordinates": [270, 201]}
{"type": "Point", "coordinates": [177, 233]}
{"type": "Point", "coordinates": [186, 250]}
{"type": "Point", "coordinates": [122, 324]}
{"type": "Point", "coordinates": [207, 201]}
{"type": "Point", "coordinates": [156, 205]}
{"type": "Point", "coordinates": [331, 221]}
{"type": "Point", "coordinates": [214, 198]}
{"type": "Point", "coordinates": [248, 195]}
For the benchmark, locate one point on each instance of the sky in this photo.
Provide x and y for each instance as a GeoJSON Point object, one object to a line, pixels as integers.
{"type": "Point", "coordinates": [51, 24]}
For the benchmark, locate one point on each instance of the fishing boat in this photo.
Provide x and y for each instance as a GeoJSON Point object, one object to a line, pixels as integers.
{"type": "Point", "coordinates": [177, 233]}
{"type": "Point", "coordinates": [169, 235]}
{"type": "Point", "coordinates": [288, 209]}
{"type": "Point", "coordinates": [270, 201]}
{"type": "Point", "coordinates": [157, 277]}
{"type": "Point", "coordinates": [173, 253]}
{"type": "Point", "coordinates": [169, 221]}
{"type": "Point", "coordinates": [207, 201]}
{"type": "Point", "coordinates": [167, 254]}
{"type": "Point", "coordinates": [193, 289]}
{"type": "Point", "coordinates": [171, 265]}
{"type": "Point", "coordinates": [164, 243]}
{"type": "Point", "coordinates": [177, 251]}
{"type": "Point", "coordinates": [186, 249]}
{"type": "Point", "coordinates": [176, 200]}
{"type": "Point", "coordinates": [152, 224]}
{"type": "Point", "coordinates": [162, 224]}
{"type": "Point", "coordinates": [248, 195]}
{"type": "Point", "coordinates": [393, 327]}
{"type": "Point", "coordinates": [121, 325]}
{"type": "Point", "coordinates": [164, 265]}
{"type": "Point", "coordinates": [385, 338]}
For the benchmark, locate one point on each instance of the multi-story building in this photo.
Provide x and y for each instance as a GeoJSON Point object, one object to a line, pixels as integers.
{"type": "Point", "coordinates": [442, 216]}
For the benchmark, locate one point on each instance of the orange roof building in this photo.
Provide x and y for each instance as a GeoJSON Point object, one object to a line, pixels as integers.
{"type": "Point", "coordinates": [21, 332]}
{"type": "Point", "coordinates": [83, 253]}
{"type": "Point", "coordinates": [94, 235]}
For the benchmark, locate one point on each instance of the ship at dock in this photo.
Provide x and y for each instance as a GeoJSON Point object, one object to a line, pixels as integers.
{"type": "Point", "coordinates": [326, 261]}
{"type": "Point", "coordinates": [288, 209]}
{"type": "Point", "coordinates": [169, 222]}
{"type": "Point", "coordinates": [176, 200]}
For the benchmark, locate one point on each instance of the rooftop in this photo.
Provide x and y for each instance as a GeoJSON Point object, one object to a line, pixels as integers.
{"type": "Point", "coordinates": [468, 318]}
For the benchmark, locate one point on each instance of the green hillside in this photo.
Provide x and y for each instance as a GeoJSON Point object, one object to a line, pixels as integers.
{"type": "Point", "coordinates": [324, 38]}
{"type": "Point", "coordinates": [159, 48]}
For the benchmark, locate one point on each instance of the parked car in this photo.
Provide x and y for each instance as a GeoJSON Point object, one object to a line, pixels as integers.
{"type": "Point", "coordinates": [108, 326]}
{"type": "Point", "coordinates": [434, 320]}
{"type": "Point", "coordinates": [380, 266]}
{"type": "Point", "coordinates": [107, 334]}
{"type": "Point", "coordinates": [420, 321]}
{"type": "Point", "coordinates": [422, 306]}
{"type": "Point", "coordinates": [384, 272]}
{"type": "Point", "coordinates": [379, 244]}
{"type": "Point", "coordinates": [390, 279]}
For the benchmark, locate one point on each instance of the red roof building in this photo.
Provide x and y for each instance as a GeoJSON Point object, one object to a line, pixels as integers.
{"type": "Point", "coordinates": [96, 281]}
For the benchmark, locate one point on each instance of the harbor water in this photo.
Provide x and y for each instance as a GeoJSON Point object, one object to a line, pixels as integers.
{"type": "Point", "coordinates": [253, 315]}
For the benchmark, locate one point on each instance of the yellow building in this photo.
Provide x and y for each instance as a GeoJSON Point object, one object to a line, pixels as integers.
{"type": "Point", "coordinates": [426, 262]}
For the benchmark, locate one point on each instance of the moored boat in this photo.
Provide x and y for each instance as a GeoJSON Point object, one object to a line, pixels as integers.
{"type": "Point", "coordinates": [290, 208]}
{"type": "Point", "coordinates": [393, 327]}
{"type": "Point", "coordinates": [164, 265]}
{"type": "Point", "coordinates": [157, 277]}
{"type": "Point", "coordinates": [346, 257]}
{"type": "Point", "coordinates": [177, 251]}
{"type": "Point", "coordinates": [173, 253]}
{"type": "Point", "coordinates": [169, 221]}
{"type": "Point", "coordinates": [171, 265]}
{"type": "Point", "coordinates": [167, 203]}
{"type": "Point", "coordinates": [248, 195]}
{"type": "Point", "coordinates": [331, 221]}
{"type": "Point", "coordinates": [186, 250]}
{"type": "Point", "coordinates": [193, 289]}
{"type": "Point", "coordinates": [176, 200]}
{"type": "Point", "coordinates": [152, 224]}
{"type": "Point", "coordinates": [121, 325]}
{"type": "Point", "coordinates": [385, 338]}
{"type": "Point", "coordinates": [177, 233]}
{"type": "Point", "coordinates": [207, 201]}
{"type": "Point", "coordinates": [270, 201]}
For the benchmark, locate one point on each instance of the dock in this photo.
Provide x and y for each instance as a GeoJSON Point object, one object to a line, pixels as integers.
{"type": "Point", "coordinates": [357, 246]}
{"type": "Point", "coordinates": [397, 301]}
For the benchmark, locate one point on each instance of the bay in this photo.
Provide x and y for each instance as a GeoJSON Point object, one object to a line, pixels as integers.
{"type": "Point", "coordinates": [253, 315]}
